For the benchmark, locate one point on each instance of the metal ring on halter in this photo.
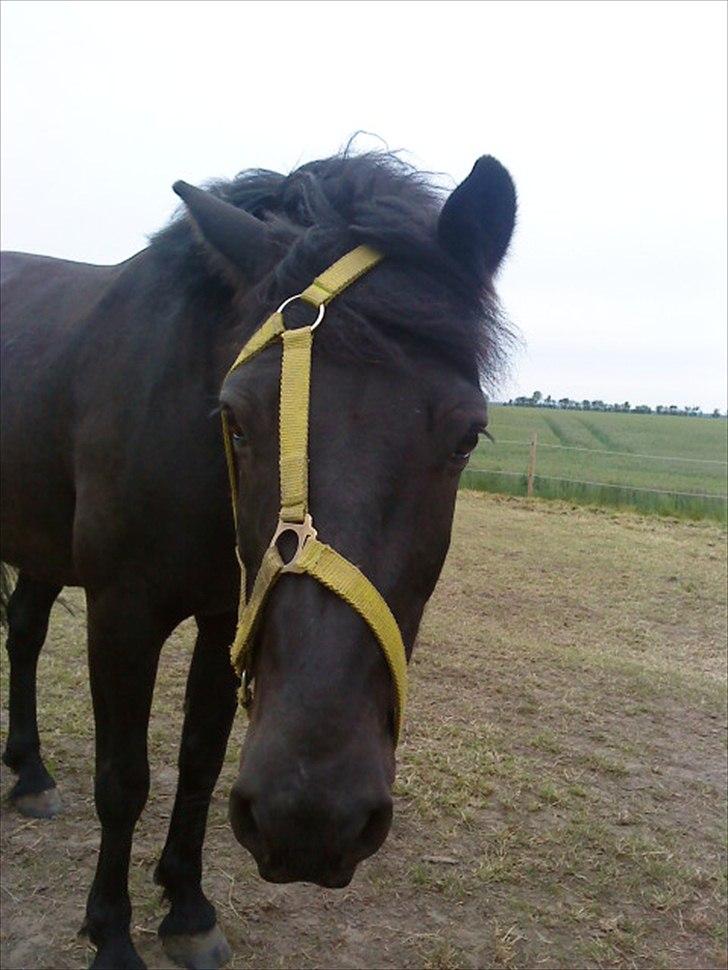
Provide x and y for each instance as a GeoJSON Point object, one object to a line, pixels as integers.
{"type": "Point", "coordinates": [245, 691]}
{"type": "Point", "coordinates": [297, 296]}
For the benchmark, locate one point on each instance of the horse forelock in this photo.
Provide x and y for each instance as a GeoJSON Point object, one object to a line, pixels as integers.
{"type": "Point", "coordinates": [420, 297]}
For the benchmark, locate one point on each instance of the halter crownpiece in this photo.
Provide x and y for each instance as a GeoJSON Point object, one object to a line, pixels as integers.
{"type": "Point", "coordinates": [311, 557]}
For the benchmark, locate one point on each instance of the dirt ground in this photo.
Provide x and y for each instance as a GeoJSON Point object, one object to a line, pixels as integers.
{"type": "Point", "coordinates": [561, 784]}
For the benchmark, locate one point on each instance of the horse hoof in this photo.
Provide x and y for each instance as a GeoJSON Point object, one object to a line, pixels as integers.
{"type": "Point", "coordinates": [42, 804]}
{"type": "Point", "coordinates": [118, 955]}
{"type": "Point", "coordinates": [198, 951]}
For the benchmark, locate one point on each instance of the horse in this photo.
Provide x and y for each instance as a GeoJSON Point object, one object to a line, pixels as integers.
{"type": "Point", "coordinates": [114, 479]}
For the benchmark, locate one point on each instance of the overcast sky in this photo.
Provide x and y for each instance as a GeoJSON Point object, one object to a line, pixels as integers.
{"type": "Point", "coordinates": [610, 116]}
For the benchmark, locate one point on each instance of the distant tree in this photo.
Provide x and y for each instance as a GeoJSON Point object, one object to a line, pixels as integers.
{"type": "Point", "coordinates": [537, 399]}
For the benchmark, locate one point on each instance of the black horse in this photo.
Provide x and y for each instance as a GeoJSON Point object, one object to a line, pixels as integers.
{"type": "Point", "coordinates": [114, 479]}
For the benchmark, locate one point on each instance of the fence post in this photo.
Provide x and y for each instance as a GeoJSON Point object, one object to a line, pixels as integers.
{"type": "Point", "coordinates": [532, 463]}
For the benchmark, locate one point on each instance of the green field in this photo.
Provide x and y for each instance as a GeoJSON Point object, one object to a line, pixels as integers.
{"type": "Point", "coordinates": [621, 454]}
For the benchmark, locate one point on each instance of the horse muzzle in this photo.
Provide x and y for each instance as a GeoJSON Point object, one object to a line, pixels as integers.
{"type": "Point", "coordinates": [295, 837]}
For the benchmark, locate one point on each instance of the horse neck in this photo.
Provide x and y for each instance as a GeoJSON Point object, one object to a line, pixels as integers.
{"type": "Point", "coordinates": [182, 320]}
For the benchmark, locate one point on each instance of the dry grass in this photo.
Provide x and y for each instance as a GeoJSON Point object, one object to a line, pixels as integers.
{"type": "Point", "coordinates": [560, 795]}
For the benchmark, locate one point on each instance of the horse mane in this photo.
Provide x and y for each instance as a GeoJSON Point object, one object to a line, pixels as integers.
{"type": "Point", "coordinates": [322, 209]}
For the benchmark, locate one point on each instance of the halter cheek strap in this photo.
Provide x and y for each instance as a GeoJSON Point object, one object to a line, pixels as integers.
{"type": "Point", "coordinates": [312, 557]}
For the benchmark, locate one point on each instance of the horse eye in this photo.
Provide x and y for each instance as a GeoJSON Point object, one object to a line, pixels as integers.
{"type": "Point", "coordinates": [239, 436]}
{"type": "Point", "coordinates": [466, 446]}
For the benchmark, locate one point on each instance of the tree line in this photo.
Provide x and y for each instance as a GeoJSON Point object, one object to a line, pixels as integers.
{"type": "Point", "coordinates": [537, 400]}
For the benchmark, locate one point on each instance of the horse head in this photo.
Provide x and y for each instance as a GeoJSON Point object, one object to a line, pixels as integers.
{"type": "Point", "coordinates": [396, 408]}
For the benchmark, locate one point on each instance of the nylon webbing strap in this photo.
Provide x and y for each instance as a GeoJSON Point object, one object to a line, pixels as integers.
{"type": "Point", "coordinates": [272, 328]}
{"type": "Point", "coordinates": [347, 581]}
{"type": "Point", "coordinates": [343, 273]}
{"type": "Point", "coordinates": [295, 393]}
{"type": "Point", "coordinates": [265, 334]}
{"type": "Point", "coordinates": [269, 571]}
{"type": "Point", "coordinates": [230, 459]}
{"type": "Point", "coordinates": [343, 578]}
{"type": "Point", "coordinates": [313, 558]}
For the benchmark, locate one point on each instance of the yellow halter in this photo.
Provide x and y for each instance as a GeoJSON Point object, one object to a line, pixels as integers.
{"type": "Point", "coordinates": [311, 557]}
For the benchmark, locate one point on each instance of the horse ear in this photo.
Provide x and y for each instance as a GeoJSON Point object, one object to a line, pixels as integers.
{"type": "Point", "coordinates": [476, 222]}
{"type": "Point", "coordinates": [241, 239]}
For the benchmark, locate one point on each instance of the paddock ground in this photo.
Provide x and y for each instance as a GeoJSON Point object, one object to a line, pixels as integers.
{"type": "Point", "coordinates": [560, 795]}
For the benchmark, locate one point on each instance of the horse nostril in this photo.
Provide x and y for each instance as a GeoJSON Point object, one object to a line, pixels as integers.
{"type": "Point", "coordinates": [243, 820]}
{"type": "Point", "coordinates": [375, 830]}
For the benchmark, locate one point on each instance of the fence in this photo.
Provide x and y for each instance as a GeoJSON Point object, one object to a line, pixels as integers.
{"type": "Point", "coordinates": [696, 504]}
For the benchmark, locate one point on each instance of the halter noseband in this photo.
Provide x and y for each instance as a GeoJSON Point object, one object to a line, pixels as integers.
{"type": "Point", "coordinates": [312, 557]}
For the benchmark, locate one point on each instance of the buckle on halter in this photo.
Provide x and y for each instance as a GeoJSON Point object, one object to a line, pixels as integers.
{"type": "Point", "coordinates": [245, 691]}
{"type": "Point", "coordinates": [303, 531]}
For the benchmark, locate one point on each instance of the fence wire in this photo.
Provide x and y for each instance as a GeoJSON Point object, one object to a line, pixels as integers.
{"type": "Point", "coordinates": [575, 481]}
{"type": "Point", "coordinates": [604, 451]}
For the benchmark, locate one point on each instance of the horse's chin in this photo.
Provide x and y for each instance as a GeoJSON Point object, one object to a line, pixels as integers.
{"type": "Point", "coordinates": [326, 880]}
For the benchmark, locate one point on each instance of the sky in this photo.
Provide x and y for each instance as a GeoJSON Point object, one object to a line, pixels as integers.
{"type": "Point", "coordinates": [611, 118]}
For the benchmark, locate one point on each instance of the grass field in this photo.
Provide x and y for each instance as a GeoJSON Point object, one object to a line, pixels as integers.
{"type": "Point", "coordinates": [560, 799]}
{"type": "Point", "coordinates": [615, 446]}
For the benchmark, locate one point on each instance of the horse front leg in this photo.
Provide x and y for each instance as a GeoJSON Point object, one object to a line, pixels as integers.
{"type": "Point", "coordinates": [189, 932]}
{"type": "Point", "coordinates": [125, 636]}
